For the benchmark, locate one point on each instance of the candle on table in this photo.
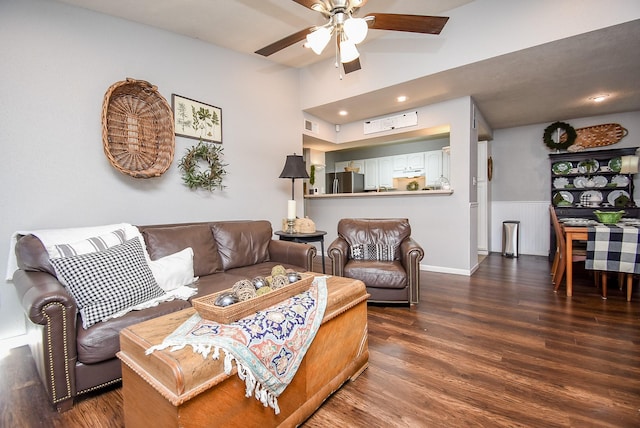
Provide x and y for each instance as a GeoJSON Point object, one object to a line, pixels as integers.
{"type": "Point", "coordinates": [291, 209]}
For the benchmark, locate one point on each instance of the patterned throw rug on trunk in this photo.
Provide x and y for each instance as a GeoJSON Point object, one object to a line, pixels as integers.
{"type": "Point", "coordinates": [267, 346]}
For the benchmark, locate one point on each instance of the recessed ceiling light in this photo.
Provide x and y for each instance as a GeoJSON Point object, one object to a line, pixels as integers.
{"type": "Point", "coordinates": [402, 98]}
{"type": "Point", "coordinates": [599, 98]}
{"type": "Point", "coordinates": [343, 112]}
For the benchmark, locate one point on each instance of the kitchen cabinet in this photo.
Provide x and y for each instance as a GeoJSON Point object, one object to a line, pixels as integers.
{"type": "Point", "coordinates": [408, 161]}
{"type": "Point", "coordinates": [399, 162]}
{"type": "Point", "coordinates": [433, 168]}
{"type": "Point", "coordinates": [416, 160]}
{"type": "Point", "coordinates": [385, 172]}
{"type": "Point", "coordinates": [371, 172]}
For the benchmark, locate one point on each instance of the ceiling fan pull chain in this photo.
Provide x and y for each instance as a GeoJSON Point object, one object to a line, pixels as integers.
{"type": "Point", "coordinates": [337, 62]}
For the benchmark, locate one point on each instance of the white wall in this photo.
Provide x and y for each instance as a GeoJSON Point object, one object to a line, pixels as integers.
{"type": "Point", "coordinates": [57, 63]}
{"type": "Point", "coordinates": [521, 178]}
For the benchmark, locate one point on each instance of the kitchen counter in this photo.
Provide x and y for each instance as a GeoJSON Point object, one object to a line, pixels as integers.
{"type": "Point", "coordinates": [381, 194]}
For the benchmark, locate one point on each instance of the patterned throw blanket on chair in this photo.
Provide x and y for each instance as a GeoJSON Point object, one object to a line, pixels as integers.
{"type": "Point", "coordinates": [267, 346]}
{"type": "Point", "coordinates": [613, 248]}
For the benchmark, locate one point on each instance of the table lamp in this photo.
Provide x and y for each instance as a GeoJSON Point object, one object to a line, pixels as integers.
{"type": "Point", "coordinates": [294, 167]}
{"type": "Point", "coordinates": [629, 164]}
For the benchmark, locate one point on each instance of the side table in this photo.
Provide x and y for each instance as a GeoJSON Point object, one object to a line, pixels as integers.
{"type": "Point", "coordinates": [305, 238]}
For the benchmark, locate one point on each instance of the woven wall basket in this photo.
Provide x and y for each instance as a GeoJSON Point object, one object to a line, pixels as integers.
{"type": "Point", "coordinates": [137, 129]}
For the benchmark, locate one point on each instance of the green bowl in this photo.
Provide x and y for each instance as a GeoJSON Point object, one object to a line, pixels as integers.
{"type": "Point", "coordinates": [609, 217]}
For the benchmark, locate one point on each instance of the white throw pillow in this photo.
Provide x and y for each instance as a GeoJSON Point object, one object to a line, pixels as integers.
{"type": "Point", "coordinates": [174, 270]}
{"type": "Point", "coordinates": [91, 245]}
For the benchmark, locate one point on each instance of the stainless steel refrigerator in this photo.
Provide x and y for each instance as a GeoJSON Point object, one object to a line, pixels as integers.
{"type": "Point", "coordinates": [345, 182]}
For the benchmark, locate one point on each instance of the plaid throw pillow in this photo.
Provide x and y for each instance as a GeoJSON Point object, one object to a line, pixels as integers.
{"type": "Point", "coordinates": [106, 282]}
{"type": "Point", "coordinates": [378, 252]}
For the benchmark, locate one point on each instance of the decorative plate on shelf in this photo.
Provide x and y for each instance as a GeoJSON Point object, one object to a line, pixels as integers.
{"type": "Point", "coordinates": [560, 183]}
{"type": "Point", "coordinates": [580, 182]}
{"type": "Point", "coordinates": [561, 168]}
{"type": "Point", "coordinates": [588, 166]}
{"type": "Point", "coordinates": [615, 164]}
{"type": "Point", "coordinates": [591, 198]}
{"type": "Point", "coordinates": [600, 181]}
{"type": "Point", "coordinates": [563, 199]}
{"type": "Point", "coordinates": [620, 180]}
{"type": "Point", "coordinates": [618, 198]}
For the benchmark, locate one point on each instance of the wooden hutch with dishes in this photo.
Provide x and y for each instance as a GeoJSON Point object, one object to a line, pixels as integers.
{"type": "Point", "coordinates": [582, 182]}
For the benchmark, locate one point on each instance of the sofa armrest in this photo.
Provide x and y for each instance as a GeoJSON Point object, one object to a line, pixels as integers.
{"type": "Point", "coordinates": [411, 253]}
{"type": "Point", "coordinates": [339, 254]}
{"type": "Point", "coordinates": [50, 307]}
{"type": "Point", "coordinates": [292, 253]}
{"type": "Point", "coordinates": [37, 290]}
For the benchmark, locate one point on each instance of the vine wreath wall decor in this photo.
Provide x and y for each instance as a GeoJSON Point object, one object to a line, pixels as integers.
{"type": "Point", "coordinates": [570, 138]}
{"type": "Point", "coordinates": [210, 178]}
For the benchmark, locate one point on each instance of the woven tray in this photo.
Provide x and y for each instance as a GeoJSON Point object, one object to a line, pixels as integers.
{"type": "Point", "coordinates": [137, 129]}
{"type": "Point", "coordinates": [597, 136]}
{"type": "Point", "coordinates": [228, 314]}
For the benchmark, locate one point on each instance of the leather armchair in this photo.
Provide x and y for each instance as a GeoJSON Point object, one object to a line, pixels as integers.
{"type": "Point", "coordinates": [380, 253]}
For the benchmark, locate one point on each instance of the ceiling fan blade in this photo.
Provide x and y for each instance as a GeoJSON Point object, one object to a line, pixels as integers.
{"type": "Point", "coordinates": [351, 66]}
{"type": "Point", "coordinates": [284, 43]}
{"type": "Point", "coordinates": [409, 23]}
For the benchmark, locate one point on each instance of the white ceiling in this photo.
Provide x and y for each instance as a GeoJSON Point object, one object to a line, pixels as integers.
{"type": "Point", "coordinates": [537, 85]}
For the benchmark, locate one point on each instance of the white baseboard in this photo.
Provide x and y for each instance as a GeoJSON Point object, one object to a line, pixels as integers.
{"type": "Point", "coordinates": [440, 269]}
{"type": "Point", "coordinates": [13, 342]}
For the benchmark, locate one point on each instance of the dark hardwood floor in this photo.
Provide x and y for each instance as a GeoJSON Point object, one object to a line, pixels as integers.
{"type": "Point", "coordinates": [498, 349]}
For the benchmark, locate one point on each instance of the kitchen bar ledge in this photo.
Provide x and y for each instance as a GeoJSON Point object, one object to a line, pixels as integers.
{"type": "Point", "coordinates": [381, 194]}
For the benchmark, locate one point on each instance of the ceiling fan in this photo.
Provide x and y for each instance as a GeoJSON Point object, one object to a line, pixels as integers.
{"type": "Point", "coordinates": [350, 31]}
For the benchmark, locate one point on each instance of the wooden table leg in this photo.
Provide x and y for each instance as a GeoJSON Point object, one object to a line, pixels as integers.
{"type": "Point", "coordinates": [569, 263]}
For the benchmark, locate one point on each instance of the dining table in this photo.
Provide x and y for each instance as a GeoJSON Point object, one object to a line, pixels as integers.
{"type": "Point", "coordinates": [618, 246]}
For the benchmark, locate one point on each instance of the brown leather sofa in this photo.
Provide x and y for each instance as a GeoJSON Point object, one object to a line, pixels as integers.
{"type": "Point", "coordinates": [380, 253]}
{"type": "Point", "coordinates": [72, 360]}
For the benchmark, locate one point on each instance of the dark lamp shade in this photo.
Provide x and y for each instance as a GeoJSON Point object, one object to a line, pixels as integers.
{"type": "Point", "coordinates": [294, 167]}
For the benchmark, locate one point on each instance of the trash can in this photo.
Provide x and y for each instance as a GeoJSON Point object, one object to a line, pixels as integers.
{"type": "Point", "coordinates": [510, 238]}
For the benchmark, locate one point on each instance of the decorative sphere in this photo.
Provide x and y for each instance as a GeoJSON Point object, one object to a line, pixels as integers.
{"type": "Point", "coordinates": [293, 276]}
{"type": "Point", "coordinates": [259, 282]}
{"type": "Point", "coordinates": [279, 281]}
{"type": "Point", "coordinates": [278, 270]}
{"type": "Point", "coordinates": [263, 290]}
{"type": "Point", "coordinates": [244, 290]}
{"type": "Point", "coordinates": [225, 299]}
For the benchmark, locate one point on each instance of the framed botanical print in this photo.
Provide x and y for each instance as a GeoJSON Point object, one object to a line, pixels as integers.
{"type": "Point", "coordinates": [197, 120]}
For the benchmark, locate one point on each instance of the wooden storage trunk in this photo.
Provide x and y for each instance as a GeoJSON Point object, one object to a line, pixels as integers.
{"type": "Point", "coordinates": [181, 389]}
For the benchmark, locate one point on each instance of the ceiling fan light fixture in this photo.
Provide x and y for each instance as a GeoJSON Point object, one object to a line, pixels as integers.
{"type": "Point", "coordinates": [356, 29]}
{"type": "Point", "coordinates": [348, 51]}
{"type": "Point", "coordinates": [319, 39]}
